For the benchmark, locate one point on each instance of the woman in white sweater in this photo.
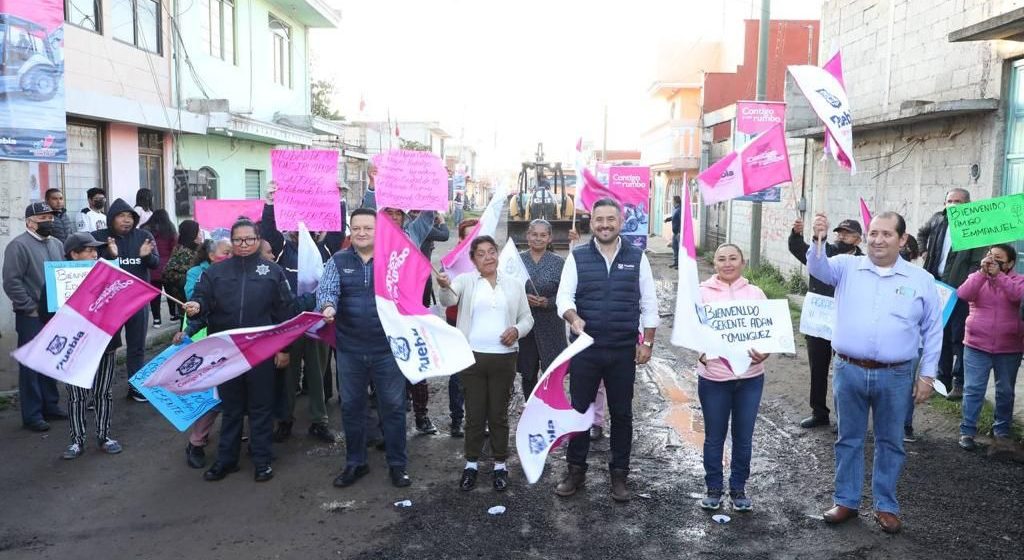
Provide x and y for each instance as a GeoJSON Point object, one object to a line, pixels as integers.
{"type": "Point", "coordinates": [493, 314]}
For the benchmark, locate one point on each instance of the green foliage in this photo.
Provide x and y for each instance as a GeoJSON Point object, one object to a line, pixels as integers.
{"type": "Point", "coordinates": [796, 284]}
{"type": "Point", "coordinates": [769, 279]}
{"type": "Point", "coordinates": [985, 419]}
{"type": "Point", "coordinates": [321, 91]}
{"type": "Point", "coordinates": [413, 145]}
{"type": "Point", "coordinates": [5, 402]}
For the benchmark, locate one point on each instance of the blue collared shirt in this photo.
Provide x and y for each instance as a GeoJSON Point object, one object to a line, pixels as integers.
{"type": "Point", "coordinates": [882, 316]}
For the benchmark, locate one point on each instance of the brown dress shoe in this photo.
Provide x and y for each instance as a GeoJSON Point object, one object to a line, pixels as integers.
{"type": "Point", "coordinates": [619, 491]}
{"type": "Point", "coordinates": [838, 514]}
{"type": "Point", "coordinates": [575, 477]}
{"type": "Point", "coordinates": [889, 522]}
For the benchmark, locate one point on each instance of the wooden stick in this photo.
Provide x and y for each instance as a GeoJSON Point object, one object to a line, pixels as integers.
{"type": "Point", "coordinates": [174, 299]}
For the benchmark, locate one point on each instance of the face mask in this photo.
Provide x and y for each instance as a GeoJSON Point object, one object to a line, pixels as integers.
{"type": "Point", "coordinates": [44, 229]}
{"type": "Point", "coordinates": [844, 247]}
{"type": "Point", "coordinates": [99, 203]}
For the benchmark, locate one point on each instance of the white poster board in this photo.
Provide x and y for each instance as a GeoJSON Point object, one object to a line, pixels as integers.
{"type": "Point", "coordinates": [763, 325]}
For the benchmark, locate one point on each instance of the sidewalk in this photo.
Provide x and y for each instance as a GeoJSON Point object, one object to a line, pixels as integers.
{"type": "Point", "coordinates": [990, 394]}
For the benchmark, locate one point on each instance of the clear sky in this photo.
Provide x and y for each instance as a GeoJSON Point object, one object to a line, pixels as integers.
{"type": "Point", "coordinates": [508, 74]}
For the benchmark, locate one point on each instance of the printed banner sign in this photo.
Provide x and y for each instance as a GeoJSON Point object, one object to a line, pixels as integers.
{"type": "Point", "coordinates": [548, 416]}
{"type": "Point", "coordinates": [33, 121]}
{"type": "Point", "coordinates": [225, 355]}
{"type": "Point", "coordinates": [215, 214]}
{"type": "Point", "coordinates": [764, 324]}
{"type": "Point", "coordinates": [755, 117]}
{"type": "Point", "coordinates": [630, 185]}
{"type": "Point", "coordinates": [307, 189]}
{"type": "Point", "coordinates": [818, 316]}
{"type": "Point", "coordinates": [771, 194]}
{"type": "Point", "coordinates": [69, 347]}
{"type": "Point", "coordinates": [411, 180]}
{"type": "Point", "coordinates": [180, 410]}
{"type": "Point", "coordinates": [986, 222]}
{"type": "Point", "coordinates": [63, 278]}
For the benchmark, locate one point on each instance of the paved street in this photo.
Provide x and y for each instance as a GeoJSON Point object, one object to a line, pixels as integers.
{"type": "Point", "coordinates": [146, 503]}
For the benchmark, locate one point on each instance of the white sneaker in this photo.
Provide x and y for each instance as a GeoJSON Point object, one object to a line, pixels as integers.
{"type": "Point", "coordinates": [73, 451]}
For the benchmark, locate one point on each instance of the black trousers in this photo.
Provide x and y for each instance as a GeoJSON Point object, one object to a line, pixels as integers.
{"type": "Point", "coordinates": [951, 358]}
{"type": "Point", "coordinates": [819, 357]}
{"type": "Point", "coordinates": [529, 364]}
{"type": "Point", "coordinates": [617, 368]}
{"type": "Point", "coordinates": [253, 391]}
{"type": "Point", "coordinates": [135, 340]}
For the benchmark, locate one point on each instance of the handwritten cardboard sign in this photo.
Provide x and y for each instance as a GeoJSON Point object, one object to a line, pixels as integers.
{"type": "Point", "coordinates": [411, 180]}
{"type": "Point", "coordinates": [818, 316]}
{"type": "Point", "coordinates": [214, 214]}
{"type": "Point", "coordinates": [63, 278]}
{"type": "Point", "coordinates": [986, 222]}
{"type": "Point", "coordinates": [307, 189]}
{"type": "Point", "coordinates": [763, 324]}
{"type": "Point", "coordinates": [180, 410]}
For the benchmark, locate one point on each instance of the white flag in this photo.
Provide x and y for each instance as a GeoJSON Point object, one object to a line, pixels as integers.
{"type": "Point", "coordinates": [311, 265]}
{"type": "Point", "coordinates": [510, 264]}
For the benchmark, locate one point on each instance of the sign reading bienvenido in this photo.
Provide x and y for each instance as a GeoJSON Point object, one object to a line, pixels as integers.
{"type": "Point", "coordinates": [986, 222]}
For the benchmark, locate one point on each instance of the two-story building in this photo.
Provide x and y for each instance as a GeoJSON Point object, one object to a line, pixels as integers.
{"type": "Point", "coordinates": [937, 99]}
{"type": "Point", "coordinates": [244, 66]}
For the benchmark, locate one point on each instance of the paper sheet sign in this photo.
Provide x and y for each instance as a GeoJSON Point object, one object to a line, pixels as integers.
{"type": "Point", "coordinates": [179, 410]}
{"type": "Point", "coordinates": [764, 324]}
{"type": "Point", "coordinates": [63, 278]}
{"type": "Point", "coordinates": [818, 316]}
{"type": "Point", "coordinates": [307, 189]}
{"type": "Point", "coordinates": [411, 180]}
{"type": "Point", "coordinates": [215, 214]}
{"type": "Point", "coordinates": [986, 222]}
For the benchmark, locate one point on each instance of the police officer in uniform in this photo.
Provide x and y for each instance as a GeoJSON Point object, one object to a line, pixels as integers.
{"type": "Point", "coordinates": [244, 291]}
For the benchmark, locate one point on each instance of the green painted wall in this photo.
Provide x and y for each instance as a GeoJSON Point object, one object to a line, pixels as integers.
{"type": "Point", "coordinates": [228, 157]}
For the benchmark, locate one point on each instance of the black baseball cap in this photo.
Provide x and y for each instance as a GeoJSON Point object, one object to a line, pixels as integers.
{"type": "Point", "coordinates": [852, 226]}
{"type": "Point", "coordinates": [79, 241]}
{"type": "Point", "coordinates": [37, 208]}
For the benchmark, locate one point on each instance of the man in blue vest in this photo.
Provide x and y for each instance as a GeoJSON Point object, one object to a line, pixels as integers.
{"type": "Point", "coordinates": [607, 290]}
{"type": "Point", "coordinates": [364, 354]}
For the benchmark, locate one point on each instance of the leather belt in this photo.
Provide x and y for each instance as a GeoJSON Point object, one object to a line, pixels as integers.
{"type": "Point", "coordinates": [870, 364]}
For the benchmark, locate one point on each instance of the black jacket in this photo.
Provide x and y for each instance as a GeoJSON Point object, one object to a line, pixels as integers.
{"type": "Point", "coordinates": [243, 292]}
{"type": "Point", "coordinates": [959, 264]}
{"type": "Point", "coordinates": [798, 248]}
{"type": "Point", "coordinates": [128, 245]}
{"type": "Point", "coordinates": [62, 225]}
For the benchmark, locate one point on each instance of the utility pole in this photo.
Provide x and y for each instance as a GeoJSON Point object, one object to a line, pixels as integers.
{"type": "Point", "coordinates": [762, 86]}
{"type": "Point", "coordinates": [604, 142]}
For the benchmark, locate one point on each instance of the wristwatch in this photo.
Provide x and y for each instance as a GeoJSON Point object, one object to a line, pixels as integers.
{"type": "Point", "coordinates": [648, 343]}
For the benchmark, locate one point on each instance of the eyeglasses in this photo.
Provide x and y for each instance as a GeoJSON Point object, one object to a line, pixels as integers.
{"type": "Point", "coordinates": [243, 241]}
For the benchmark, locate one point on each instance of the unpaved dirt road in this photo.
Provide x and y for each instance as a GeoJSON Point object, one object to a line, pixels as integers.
{"type": "Point", "coordinates": [146, 503]}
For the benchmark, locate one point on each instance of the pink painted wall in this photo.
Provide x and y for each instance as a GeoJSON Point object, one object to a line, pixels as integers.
{"type": "Point", "coordinates": [122, 162]}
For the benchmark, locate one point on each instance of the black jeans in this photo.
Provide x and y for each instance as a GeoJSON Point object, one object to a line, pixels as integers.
{"type": "Point", "coordinates": [617, 368]}
{"type": "Point", "coordinates": [253, 391]}
{"type": "Point", "coordinates": [951, 358]}
{"type": "Point", "coordinates": [819, 358]}
{"type": "Point", "coordinates": [135, 340]}
{"type": "Point", "coordinates": [529, 364]}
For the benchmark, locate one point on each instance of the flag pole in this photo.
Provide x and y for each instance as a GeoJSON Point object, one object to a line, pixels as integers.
{"type": "Point", "coordinates": [174, 299]}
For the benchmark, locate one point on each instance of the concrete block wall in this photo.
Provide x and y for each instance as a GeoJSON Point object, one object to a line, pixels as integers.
{"type": "Point", "coordinates": [14, 197]}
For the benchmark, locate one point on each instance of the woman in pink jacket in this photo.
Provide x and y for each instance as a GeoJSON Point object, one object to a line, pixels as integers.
{"type": "Point", "coordinates": [724, 394]}
{"type": "Point", "coordinates": [993, 341]}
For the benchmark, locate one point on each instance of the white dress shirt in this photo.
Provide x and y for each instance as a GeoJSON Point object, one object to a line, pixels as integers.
{"type": "Point", "coordinates": [566, 298]}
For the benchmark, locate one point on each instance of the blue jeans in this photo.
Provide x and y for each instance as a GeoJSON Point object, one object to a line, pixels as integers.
{"type": "Point", "coordinates": [37, 393]}
{"type": "Point", "coordinates": [675, 249]}
{"type": "Point", "coordinates": [908, 423]}
{"type": "Point", "coordinates": [456, 399]}
{"type": "Point", "coordinates": [355, 371]}
{"type": "Point", "coordinates": [882, 393]}
{"type": "Point", "coordinates": [977, 364]}
{"type": "Point", "coordinates": [720, 400]}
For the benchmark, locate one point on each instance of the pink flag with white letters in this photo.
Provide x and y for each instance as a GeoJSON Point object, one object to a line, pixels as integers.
{"type": "Point", "coordinates": [865, 214]}
{"type": "Point", "coordinates": [458, 261]}
{"type": "Point", "coordinates": [423, 344]}
{"type": "Point", "coordinates": [549, 417]}
{"type": "Point", "coordinates": [71, 345]}
{"type": "Point", "coordinates": [225, 355]}
{"type": "Point", "coordinates": [825, 90]}
{"type": "Point", "coordinates": [760, 164]}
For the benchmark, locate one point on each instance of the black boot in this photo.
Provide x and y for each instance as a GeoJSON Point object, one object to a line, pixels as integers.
{"type": "Point", "coordinates": [283, 431]}
{"type": "Point", "coordinates": [196, 456]}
